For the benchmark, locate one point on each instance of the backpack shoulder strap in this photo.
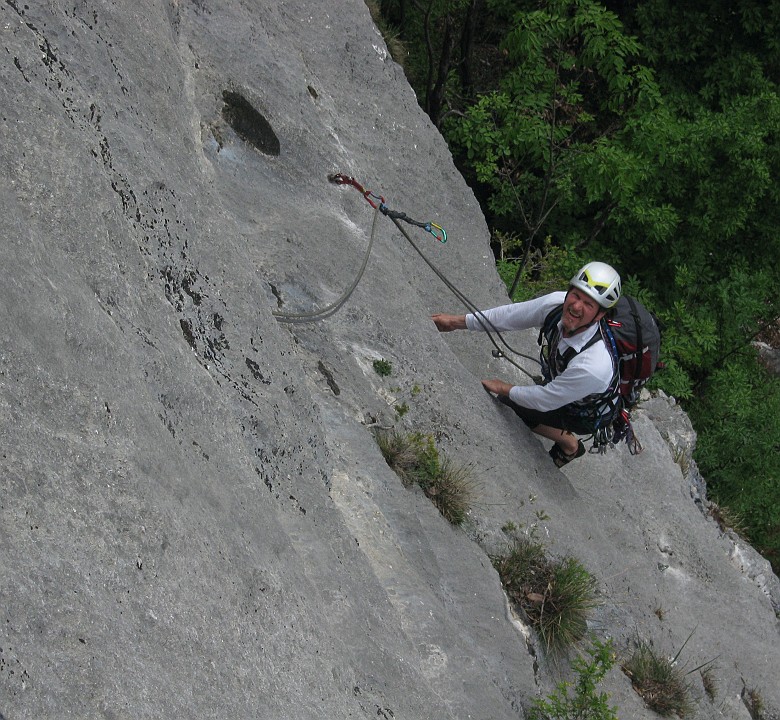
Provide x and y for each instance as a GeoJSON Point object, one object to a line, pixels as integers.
{"type": "Point", "coordinates": [550, 325]}
{"type": "Point", "coordinates": [639, 340]}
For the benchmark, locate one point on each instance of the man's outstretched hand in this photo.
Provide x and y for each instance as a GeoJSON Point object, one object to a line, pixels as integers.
{"type": "Point", "coordinates": [497, 387]}
{"type": "Point", "coordinates": [447, 323]}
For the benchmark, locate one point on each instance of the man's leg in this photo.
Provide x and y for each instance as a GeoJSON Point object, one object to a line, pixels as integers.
{"type": "Point", "coordinates": [566, 441]}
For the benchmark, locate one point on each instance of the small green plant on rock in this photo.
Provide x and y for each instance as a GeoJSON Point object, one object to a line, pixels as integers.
{"type": "Point", "coordinates": [658, 680]}
{"type": "Point", "coordinates": [401, 408]}
{"type": "Point", "coordinates": [580, 700]}
{"type": "Point", "coordinates": [416, 460]}
{"type": "Point", "coordinates": [410, 455]}
{"type": "Point", "coordinates": [383, 368]}
{"type": "Point", "coordinates": [557, 595]}
{"type": "Point", "coordinates": [451, 490]}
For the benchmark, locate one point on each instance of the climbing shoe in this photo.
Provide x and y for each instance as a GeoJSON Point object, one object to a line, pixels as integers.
{"type": "Point", "coordinates": [560, 458]}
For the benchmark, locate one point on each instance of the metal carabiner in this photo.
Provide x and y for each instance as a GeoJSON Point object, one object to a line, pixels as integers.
{"type": "Point", "coordinates": [437, 231]}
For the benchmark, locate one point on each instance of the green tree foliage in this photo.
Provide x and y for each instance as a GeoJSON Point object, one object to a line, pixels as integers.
{"type": "Point", "coordinates": [545, 142]}
{"type": "Point", "coordinates": [646, 134]}
{"type": "Point", "coordinates": [738, 452]}
{"type": "Point", "coordinates": [710, 51]}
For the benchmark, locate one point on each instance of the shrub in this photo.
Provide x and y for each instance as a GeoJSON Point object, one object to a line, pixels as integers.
{"type": "Point", "coordinates": [659, 682]}
{"type": "Point", "coordinates": [556, 595]}
{"type": "Point", "coordinates": [583, 703]}
{"type": "Point", "coordinates": [416, 460]}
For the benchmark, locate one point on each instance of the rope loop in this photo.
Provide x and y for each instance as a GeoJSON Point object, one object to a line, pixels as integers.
{"type": "Point", "coordinates": [439, 233]}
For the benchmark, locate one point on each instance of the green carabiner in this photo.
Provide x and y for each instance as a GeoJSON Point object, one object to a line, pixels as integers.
{"type": "Point", "coordinates": [437, 231]}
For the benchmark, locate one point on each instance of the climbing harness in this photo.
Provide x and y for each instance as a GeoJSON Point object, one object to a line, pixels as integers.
{"type": "Point", "coordinates": [378, 203]}
{"type": "Point", "coordinates": [619, 430]}
{"type": "Point", "coordinates": [610, 411]}
{"type": "Point", "coordinates": [597, 410]}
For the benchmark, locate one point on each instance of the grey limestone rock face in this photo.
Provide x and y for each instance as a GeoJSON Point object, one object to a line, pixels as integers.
{"type": "Point", "coordinates": [195, 519]}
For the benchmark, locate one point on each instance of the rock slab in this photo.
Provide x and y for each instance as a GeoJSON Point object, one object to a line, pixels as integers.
{"type": "Point", "coordinates": [195, 520]}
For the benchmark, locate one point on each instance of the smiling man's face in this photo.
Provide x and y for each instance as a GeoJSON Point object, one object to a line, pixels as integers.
{"type": "Point", "coordinates": [579, 312]}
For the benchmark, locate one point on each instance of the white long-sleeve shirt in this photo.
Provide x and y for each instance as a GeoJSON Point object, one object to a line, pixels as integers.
{"type": "Point", "coordinates": [588, 372]}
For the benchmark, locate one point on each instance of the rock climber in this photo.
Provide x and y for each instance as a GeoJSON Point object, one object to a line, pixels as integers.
{"type": "Point", "coordinates": [580, 372]}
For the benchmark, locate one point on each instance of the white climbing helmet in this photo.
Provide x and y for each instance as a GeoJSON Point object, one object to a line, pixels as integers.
{"type": "Point", "coordinates": [600, 281]}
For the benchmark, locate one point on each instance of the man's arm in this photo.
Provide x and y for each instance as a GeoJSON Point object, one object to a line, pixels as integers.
{"type": "Point", "coordinates": [514, 316]}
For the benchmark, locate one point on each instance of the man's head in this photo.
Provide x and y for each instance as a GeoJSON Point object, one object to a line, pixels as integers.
{"type": "Point", "coordinates": [592, 291]}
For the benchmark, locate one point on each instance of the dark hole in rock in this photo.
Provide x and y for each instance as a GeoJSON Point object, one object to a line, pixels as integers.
{"type": "Point", "coordinates": [249, 124]}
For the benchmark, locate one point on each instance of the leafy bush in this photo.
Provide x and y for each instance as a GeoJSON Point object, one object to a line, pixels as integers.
{"type": "Point", "coordinates": [556, 595]}
{"type": "Point", "coordinates": [416, 460]}
{"type": "Point", "coordinates": [580, 701]}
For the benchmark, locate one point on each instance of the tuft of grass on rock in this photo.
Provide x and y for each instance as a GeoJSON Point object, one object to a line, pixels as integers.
{"type": "Point", "coordinates": [557, 595]}
{"type": "Point", "coordinates": [754, 702]}
{"type": "Point", "coordinates": [415, 459]}
{"type": "Point", "coordinates": [658, 681]}
{"type": "Point", "coordinates": [413, 456]}
{"type": "Point", "coordinates": [451, 490]}
{"type": "Point", "coordinates": [728, 519]}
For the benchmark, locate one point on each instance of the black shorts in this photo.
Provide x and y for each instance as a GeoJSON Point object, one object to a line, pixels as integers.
{"type": "Point", "coordinates": [559, 418]}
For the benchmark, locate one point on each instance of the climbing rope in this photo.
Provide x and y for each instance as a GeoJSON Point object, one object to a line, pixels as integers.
{"type": "Point", "coordinates": [436, 230]}
{"type": "Point", "coordinates": [378, 203]}
{"type": "Point", "coordinates": [333, 307]}
{"type": "Point", "coordinates": [482, 319]}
